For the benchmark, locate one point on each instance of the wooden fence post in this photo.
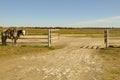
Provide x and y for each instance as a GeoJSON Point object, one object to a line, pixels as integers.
{"type": "Point", "coordinates": [59, 35]}
{"type": "Point", "coordinates": [106, 37]}
{"type": "Point", "coordinates": [49, 37]}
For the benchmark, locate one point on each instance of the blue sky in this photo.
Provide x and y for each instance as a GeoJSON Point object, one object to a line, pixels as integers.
{"type": "Point", "coordinates": [58, 13]}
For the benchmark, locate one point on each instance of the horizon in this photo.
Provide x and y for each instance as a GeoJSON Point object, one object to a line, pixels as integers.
{"type": "Point", "coordinates": [60, 13]}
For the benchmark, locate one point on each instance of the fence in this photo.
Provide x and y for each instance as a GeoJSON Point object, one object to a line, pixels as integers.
{"type": "Point", "coordinates": [42, 37]}
{"type": "Point", "coordinates": [37, 37]}
{"type": "Point", "coordinates": [114, 37]}
{"type": "Point", "coordinates": [46, 37]}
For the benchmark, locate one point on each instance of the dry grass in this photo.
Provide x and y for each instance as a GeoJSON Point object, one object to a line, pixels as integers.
{"type": "Point", "coordinates": [91, 32]}
{"type": "Point", "coordinates": [111, 57]}
{"type": "Point", "coordinates": [15, 51]}
{"type": "Point", "coordinates": [36, 31]}
{"type": "Point", "coordinates": [86, 32]}
{"type": "Point", "coordinates": [81, 31]}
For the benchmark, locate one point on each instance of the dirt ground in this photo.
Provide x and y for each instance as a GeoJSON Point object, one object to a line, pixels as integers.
{"type": "Point", "coordinates": [77, 60]}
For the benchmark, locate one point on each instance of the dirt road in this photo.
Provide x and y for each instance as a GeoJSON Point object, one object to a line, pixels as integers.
{"type": "Point", "coordinates": [76, 61]}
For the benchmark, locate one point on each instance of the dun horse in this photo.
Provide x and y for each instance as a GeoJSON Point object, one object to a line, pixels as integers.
{"type": "Point", "coordinates": [12, 34]}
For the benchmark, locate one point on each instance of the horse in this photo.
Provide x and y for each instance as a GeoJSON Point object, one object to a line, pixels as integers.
{"type": "Point", "coordinates": [12, 34]}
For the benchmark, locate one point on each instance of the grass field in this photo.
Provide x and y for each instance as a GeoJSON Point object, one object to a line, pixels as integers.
{"type": "Point", "coordinates": [88, 32]}
{"type": "Point", "coordinates": [111, 62]}
{"type": "Point", "coordinates": [14, 51]}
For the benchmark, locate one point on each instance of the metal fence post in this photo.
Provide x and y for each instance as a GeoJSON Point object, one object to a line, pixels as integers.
{"type": "Point", "coordinates": [106, 37]}
{"type": "Point", "coordinates": [49, 37]}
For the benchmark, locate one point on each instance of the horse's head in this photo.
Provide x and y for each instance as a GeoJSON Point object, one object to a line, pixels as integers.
{"type": "Point", "coordinates": [21, 32]}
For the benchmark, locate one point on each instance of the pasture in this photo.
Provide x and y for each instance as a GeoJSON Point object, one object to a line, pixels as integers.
{"type": "Point", "coordinates": [75, 54]}
{"type": "Point", "coordinates": [111, 63]}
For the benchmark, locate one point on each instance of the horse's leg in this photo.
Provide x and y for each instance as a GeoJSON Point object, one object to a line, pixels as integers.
{"type": "Point", "coordinates": [3, 40]}
{"type": "Point", "coordinates": [12, 42]}
{"type": "Point", "coordinates": [15, 41]}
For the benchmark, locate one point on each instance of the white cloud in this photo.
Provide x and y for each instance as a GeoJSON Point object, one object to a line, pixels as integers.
{"type": "Point", "coordinates": [106, 22]}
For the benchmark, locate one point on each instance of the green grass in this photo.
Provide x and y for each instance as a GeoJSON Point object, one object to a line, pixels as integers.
{"type": "Point", "coordinates": [111, 57]}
